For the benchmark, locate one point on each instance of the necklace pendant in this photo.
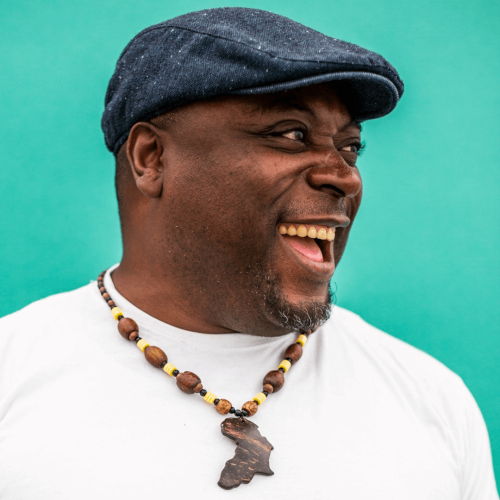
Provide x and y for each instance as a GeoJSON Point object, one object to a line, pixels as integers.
{"type": "Point", "coordinates": [251, 456]}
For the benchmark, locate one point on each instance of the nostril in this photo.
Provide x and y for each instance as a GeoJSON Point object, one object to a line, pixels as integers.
{"type": "Point", "coordinates": [336, 179]}
{"type": "Point", "coordinates": [332, 190]}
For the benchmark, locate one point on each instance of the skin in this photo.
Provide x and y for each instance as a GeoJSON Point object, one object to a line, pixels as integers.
{"type": "Point", "coordinates": [202, 198]}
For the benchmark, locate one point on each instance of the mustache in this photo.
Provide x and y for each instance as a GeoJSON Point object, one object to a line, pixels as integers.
{"type": "Point", "coordinates": [299, 209]}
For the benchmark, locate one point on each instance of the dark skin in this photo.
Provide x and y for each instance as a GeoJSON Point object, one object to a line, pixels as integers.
{"type": "Point", "coordinates": [204, 196]}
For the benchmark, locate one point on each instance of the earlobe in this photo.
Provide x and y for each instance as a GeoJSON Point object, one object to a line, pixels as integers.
{"type": "Point", "coordinates": [144, 153]}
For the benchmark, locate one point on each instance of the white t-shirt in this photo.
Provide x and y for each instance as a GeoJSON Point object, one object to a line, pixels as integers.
{"type": "Point", "coordinates": [361, 416]}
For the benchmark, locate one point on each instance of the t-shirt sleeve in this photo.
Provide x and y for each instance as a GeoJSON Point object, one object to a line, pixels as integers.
{"type": "Point", "coordinates": [478, 480]}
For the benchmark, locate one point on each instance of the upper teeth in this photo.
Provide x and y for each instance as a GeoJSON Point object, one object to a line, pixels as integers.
{"type": "Point", "coordinates": [320, 232]}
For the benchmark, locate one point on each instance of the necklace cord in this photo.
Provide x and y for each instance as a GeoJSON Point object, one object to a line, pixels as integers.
{"type": "Point", "coordinates": [189, 382]}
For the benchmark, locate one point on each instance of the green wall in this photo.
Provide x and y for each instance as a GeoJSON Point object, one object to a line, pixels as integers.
{"type": "Point", "coordinates": [422, 262]}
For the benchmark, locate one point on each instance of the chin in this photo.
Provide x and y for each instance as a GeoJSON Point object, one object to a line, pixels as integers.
{"type": "Point", "coordinates": [299, 314]}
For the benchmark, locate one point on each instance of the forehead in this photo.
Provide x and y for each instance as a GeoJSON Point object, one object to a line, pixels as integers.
{"type": "Point", "coordinates": [318, 102]}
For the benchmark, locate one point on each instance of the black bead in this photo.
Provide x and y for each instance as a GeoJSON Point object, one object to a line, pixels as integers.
{"type": "Point", "coordinates": [164, 363]}
{"type": "Point", "coordinates": [216, 402]}
{"type": "Point", "coordinates": [289, 360]}
{"type": "Point", "coordinates": [203, 392]}
{"type": "Point", "coordinates": [111, 307]}
{"type": "Point", "coordinates": [175, 373]}
{"type": "Point", "coordinates": [265, 393]}
{"type": "Point", "coordinates": [232, 410]}
{"type": "Point", "coordinates": [281, 370]}
{"type": "Point", "coordinates": [244, 413]}
{"type": "Point", "coordinates": [137, 339]}
{"type": "Point", "coordinates": [238, 413]}
{"type": "Point", "coordinates": [120, 317]}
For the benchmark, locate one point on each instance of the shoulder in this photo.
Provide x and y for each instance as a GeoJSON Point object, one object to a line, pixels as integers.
{"type": "Point", "coordinates": [50, 310]}
{"type": "Point", "coordinates": [382, 347]}
{"type": "Point", "coordinates": [48, 326]}
{"type": "Point", "coordinates": [414, 374]}
{"type": "Point", "coordinates": [434, 394]}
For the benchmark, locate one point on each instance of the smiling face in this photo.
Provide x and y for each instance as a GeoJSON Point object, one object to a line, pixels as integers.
{"type": "Point", "coordinates": [257, 197]}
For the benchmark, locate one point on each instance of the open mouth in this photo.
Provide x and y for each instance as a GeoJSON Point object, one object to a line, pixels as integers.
{"type": "Point", "coordinates": [314, 242]}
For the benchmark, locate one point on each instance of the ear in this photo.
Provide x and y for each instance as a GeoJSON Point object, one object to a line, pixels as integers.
{"type": "Point", "coordinates": [144, 153]}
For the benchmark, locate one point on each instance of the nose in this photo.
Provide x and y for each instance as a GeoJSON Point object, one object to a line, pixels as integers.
{"type": "Point", "coordinates": [333, 175]}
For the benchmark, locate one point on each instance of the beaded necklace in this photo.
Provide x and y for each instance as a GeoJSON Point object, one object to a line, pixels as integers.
{"type": "Point", "coordinates": [253, 450]}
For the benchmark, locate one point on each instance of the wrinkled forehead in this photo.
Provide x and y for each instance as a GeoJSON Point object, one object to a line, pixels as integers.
{"type": "Point", "coordinates": [310, 100]}
{"type": "Point", "coordinates": [320, 101]}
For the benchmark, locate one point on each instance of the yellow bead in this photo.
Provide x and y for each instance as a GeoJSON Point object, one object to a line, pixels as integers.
{"type": "Point", "coordinates": [210, 397]}
{"type": "Point", "coordinates": [285, 364]}
{"type": "Point", "coordinates": [142, 344]}
{"type": "Point", "coordinates": [169, 369]}
{"type": "Point", "coordinates": [260, 398]}
{"type": "Point", "coordinates": [116, 311]}
{"type": "Point", "coordinates": [302, 339]}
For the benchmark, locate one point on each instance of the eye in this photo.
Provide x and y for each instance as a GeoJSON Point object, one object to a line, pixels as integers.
{"type": "Point", "coordinates": [294, 135]}
{"type": "Point", "coordinates": [356, 148]}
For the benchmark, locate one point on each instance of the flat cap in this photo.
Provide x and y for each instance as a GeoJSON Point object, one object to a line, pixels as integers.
{"type": "Point", "coordinates": [237, 50]}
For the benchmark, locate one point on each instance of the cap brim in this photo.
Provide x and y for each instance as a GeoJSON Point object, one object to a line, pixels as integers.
{"type": "Point", "coordinates": [366, 95]}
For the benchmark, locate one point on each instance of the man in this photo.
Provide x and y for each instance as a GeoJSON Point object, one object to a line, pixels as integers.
{"type": "Point", "coordinates": [236, 134]}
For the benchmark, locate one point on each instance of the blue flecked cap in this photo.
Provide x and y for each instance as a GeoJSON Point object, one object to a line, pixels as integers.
{"type": "Point", "coordinates": [238, 51]}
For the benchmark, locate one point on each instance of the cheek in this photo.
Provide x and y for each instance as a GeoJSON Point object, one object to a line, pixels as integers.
{"type": "Point", "coordinates": [352, 206]}
{"type": "Point", "coordinates": [228, 201]}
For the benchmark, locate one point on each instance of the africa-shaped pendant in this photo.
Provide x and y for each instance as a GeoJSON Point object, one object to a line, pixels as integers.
{"type": "Point", "coordinates": [251, 456]}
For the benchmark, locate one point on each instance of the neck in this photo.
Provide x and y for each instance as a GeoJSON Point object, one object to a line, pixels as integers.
{"type": "Point", "coordinates": [155, 292]}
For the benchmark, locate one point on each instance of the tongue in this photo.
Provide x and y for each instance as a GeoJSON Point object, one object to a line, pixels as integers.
{"type": "Point", "coordinates": [306, 246]}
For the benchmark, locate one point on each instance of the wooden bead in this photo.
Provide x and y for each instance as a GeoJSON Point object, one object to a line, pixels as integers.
{"type": "Point", "coordinates": [187, 382]}
{"type": "Point", "coordinates": [106, 296]}
{"type": "Point", "coordinates": [111, 303]}
{"type": "Point", "coordinates": [126, 326]}
{"type": "Point", "coordinates": [268, 388]}
{"type": "Point", "coordinates": [276, 379]}
{"type": "Point", "coordinates": [293, 352]}
{"type": "Point", "coordinates": [102, 289]}
{"type": "Point", "coordinates": [251, 407]}
{"type": "Point", "coordinates": [155, 356]}
{"type": "Point", "coordinates": [223, 406]}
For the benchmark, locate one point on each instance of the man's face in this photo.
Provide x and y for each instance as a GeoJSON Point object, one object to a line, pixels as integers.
{"type": "Point", "coordinates": [240, 171]}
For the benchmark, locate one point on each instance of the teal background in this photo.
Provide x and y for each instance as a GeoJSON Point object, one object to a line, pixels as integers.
{"type": "Point", "coordinates": [422, 262]}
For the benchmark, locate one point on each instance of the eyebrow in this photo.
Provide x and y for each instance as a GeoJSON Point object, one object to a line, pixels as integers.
{"type": "Point", "coordinates": [283, 103]}
{"type": "Point", "coordinates": [353, 123]}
